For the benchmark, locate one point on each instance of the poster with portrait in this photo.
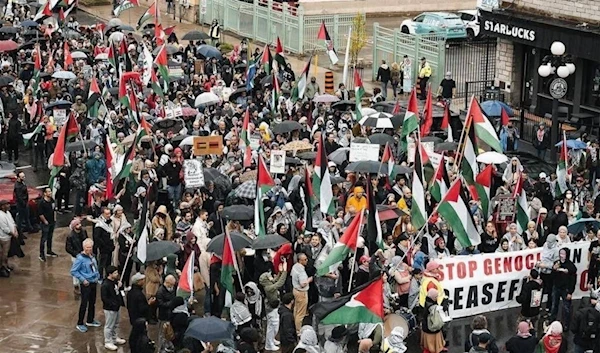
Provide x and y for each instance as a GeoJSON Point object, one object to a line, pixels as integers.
{"type": "Point", "coordinates": [277, 165]}
{"type": "Point", "coordinates": [193, 173]}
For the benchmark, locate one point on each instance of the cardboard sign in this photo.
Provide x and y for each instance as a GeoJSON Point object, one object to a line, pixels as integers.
{"type": "Point", "coordinates": [204, 145]}
{"type": "Point", "coordinates": [193, 173]}
{"type": "Point", "coordinates": [363, 152]}
{"type": "Point", "coordinates": [277, 165]}
{"type": "Point", "coordinates": [60, 116]}
{"type": "Point", "coordinates": [174, 112]}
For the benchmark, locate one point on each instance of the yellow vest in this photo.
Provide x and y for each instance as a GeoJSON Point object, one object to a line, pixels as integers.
{"type": "Point", "coordinates": [423, 290]}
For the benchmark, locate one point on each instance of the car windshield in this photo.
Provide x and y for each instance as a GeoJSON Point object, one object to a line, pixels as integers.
{"type": "Point", "coordinates": [453, 21]}
{"type": "Point", "coordinates": [467, 17]}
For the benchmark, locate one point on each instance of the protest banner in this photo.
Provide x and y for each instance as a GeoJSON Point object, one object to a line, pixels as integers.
{"type": "Point", "coordinates": [60, 116]}
{"type": "Point", "coordinates": [428, 146]}
{"type": "Point", "coordinates": [489, 282]}
{"type": "Point", "coordinates": [204, 145]}
{"type": "Point", "coordinates": [277, 165]}
{"type": "Point", "coordinates": [193, 174]}
{"type": "Point", "coordinates": [364, 152]}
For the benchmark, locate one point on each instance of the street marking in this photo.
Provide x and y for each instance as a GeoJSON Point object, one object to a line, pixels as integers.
{"type": "Point", "coordinates": [23, 167]}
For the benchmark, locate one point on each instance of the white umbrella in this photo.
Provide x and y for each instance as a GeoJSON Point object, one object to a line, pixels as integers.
{"type": "Point", "coordinates": [116, 37]}
{"type": "Point", "coordinates": [367, 111]}
{"type": "Point", "coordinates": [378, 121]}
{"type": "Point", "coordinates": [101, 56]}
{"type": "Point", "coordinates": [188, 141]}
{"type": "Point", "coordinates": [492, 157]}
{"type": "Point", "coordinates": [114, 22]}
{"type": "Point", "coordinates": [64, 75]}
{"type": "Point", "coordinates": [79, 55]}
{"type": "Point", "coordinates": [207, 98]}
{"type": "Point", "coordinates": [325, 98]}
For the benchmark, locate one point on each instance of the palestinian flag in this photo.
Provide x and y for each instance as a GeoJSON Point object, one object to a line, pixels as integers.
{"type": "Point", "coordinates": [37, 69]}
{"type": "Point", "coordinates": [112, 57]}
{"type": "Point", "coordinates": [396, 109]}
{"type": "Point", "coordinates": [142, 243]}
{"type": "Point", "coordinates": [483, 185]}
{"type": "Point", "coordinates": [484, 130]}
{"type": "Point", "coordinates": [446, 124]}
{"type": "Point", "coordinates": [322, 181]}
{"type": "Point", "coordinates": [279, 58]}
{"type": "Point", "coordinates": [562, 170]}
{"type": "Point", "coordinates": [411, 120]}
{"type": "Point", "coordinates": [149, 14]}
{"type": "Point", "coordinates": [427, 113]}
{"type": "Point", "coordinates": [94, 97]}
{"type": "Point", "coordinates": [63, 15]}
{"type": "Point", "coordinates": [418, 212]}
{"type": "Point", "coordinates": [162, 63]}
{"type": "Point", "coordinates": [133, 108]}
{"type": "Point", "coordinates": [228, 266]}
{"type": "Point", "coordinates": [68, 131]}
{"type": "Point", "coordinates": [359, 92]}
{"type": "Point", "coordinates": [455, 211]}
{"type": "Point", "coordinates": [388, 158]}
{"type": "Point", "coordinates": [125, 170]}
{"type": "Point", "coordinates": [250, 73]}
{"type": "Point", "coordinates": [440, 182]}
{"type": "Point", "coordinates": [27, 137]}
{"type": "Point", "coordinates": [44, 11]}
{"type": "Point", "coordinates": [469, 167]}
{"type": "Point", "coordinates": [342, 247]}
{"type": "Point", "coordinates": [123, 94]}
{"type": "Point", "coordinates": [363, 307]}
{"type": "Point", "coordinates": [302, 82]}
{"type": "Point", "coordinates": [324, 35]}
{"type": "Point", "coordinates": [111, 159]}
{"type": "Point", "coordinates": [308, 201]}
{"type": "Point", "coordinates": [522, 207]}
{"type": "Point", "coordinates": [124, 5]}
{"type": "Point", "coordinates": [374, 232]}
{"type": "Point", "coordinates": [185, 287]}
{"type": "Point", "coordinates": [148, 65]}
{"type": "Point", "coordinates": [125, 55]}
{"type": "Point", "coordinates": [67, 56]}
{"type": "Point", "coordinates": [275, 94]}
{"type": "Point", "coordinates": [246, 139]}
{"type": "Point", "coordinates": [266, 60]}
{"type": "Point", "coordinates": [264, 183]}
{"type": "Point", "coordinates": [155, 84]}
{"type": "Point", "coordinates": [504, 118]}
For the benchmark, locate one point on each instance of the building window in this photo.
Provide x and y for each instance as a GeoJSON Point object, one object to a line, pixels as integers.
{"type": "Point", "coordinates": [592, 84]}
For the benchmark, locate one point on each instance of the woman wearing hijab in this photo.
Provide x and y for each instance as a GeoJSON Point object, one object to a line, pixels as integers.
{"type": "Point", "coordinates": [553, 341]}
{"type": "Point", "coordinates": [139, 342]}
{"type": "Point", "coordinates": [509, 137]}
{"type": "Point", "coordinates": [524, 341]}
{"type": "Point", "coordinates": [191, 246]}
{"type": "Point", "coordinates": [125, 240]}
{"type": "Point", "coordinates": [513, 171]}
{"type": "Point", "coordinates": [394, 343]}
{"type": "Point", "coordinates": [431, 341]}
{"type": "Point", "coordinates": [309, 342]}
{"type": "Point", "coordinates": [254, 301]}
{"type": "Point", "coordinates": [547, 260]}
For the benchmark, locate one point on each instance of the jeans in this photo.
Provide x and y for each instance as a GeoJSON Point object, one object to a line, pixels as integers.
{"type": "Point", "coordinates": [557, 294]}
{"type": "Point", "coordinates": [272, 328]}
{"type": "Point", "coordinates": [46, 239]}
{"type": "Point", "coordinates": [88, 301]}
{"type": "Point", "coordinates": [23, 222]}
{"type": "Point", "coordinates": [174, 194]}
{"type": "Point", "coordinates": [384, 86]}
{"type": "Point", "coordinates": [300, 307]}
{"type": "Point", "coordinates": [75, 280]}
{"type": "Point", "coordinates": [111, 325]}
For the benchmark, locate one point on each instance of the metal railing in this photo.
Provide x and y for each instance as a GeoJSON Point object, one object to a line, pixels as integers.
{"type": "Point", "coordinates": [471, 61]}
{"type": "Point", "coordinates": [265, 20]}
{"type": "Point", "coordinates": [391, 45]}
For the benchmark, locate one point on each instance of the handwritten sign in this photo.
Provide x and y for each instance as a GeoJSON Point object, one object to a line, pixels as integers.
{"type": "Point", "coordinates": [193, 173]}
{"type": "Point", "coordinates": [173, 112]}
{"type": "Point", "coordinates": [410, 150]}
{"type": "Point", "coordinates": [364, 152]}
{"type": "Point", "coordinates": [60, 116]}
{"type": "Point", "coordinates": [205, 145]}
{"type": "Point", "coordinates": [277, 165]}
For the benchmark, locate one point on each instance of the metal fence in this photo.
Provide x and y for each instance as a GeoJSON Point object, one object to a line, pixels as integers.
{"type": "Point", "coordinates": [471, 61]}
{"type": "Point", "coordinates": [265, 20]}
{"type": "Point", "coordinates": [391, 45]}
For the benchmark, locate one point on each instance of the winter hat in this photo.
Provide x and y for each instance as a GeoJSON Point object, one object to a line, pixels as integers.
{"type": "Point", "coordinates": [74, 223]}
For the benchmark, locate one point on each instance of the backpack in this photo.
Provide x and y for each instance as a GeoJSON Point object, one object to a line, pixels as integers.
{"type": "Point", "coordinates": [434, 319]}
{"type": "Point", "coordinates": [589, 328]}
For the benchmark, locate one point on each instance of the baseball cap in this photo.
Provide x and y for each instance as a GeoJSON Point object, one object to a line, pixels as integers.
{"type": "Point", "coordinates": [137, 277]}
{"type": "Point", "coordinates": [542, 175]}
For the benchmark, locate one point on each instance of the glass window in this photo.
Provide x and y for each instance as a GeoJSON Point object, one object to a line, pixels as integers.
{"type": "Point", "coordinates": [466, 16]}
{"type": "Point", "coordinates": [591, 93]}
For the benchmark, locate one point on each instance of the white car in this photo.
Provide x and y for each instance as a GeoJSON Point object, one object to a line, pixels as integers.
{"type": "Point", "coordinates": [471, 20]}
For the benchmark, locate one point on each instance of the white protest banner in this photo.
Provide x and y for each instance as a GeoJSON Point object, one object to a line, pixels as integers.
{"type": "Point", "coordinates": [364, 152]}
{"type": "Point", "coordinates": [60, 116]}
{"type": "Point", "coordinates": [435, 159]}
{"type": "Point", "coordinates": [410, 150]}
{"type": "Point", "coordinates": [277, 165]}
{"type": "Point", "coordinates": [489, 282]}
{"type": "Point", "coordinates": [193, 173]}
{"type": "Point", "coordinates": [173, 111]}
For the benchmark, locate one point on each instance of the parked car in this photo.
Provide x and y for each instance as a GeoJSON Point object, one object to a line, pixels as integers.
{"type": "Point", "coordinates": [448, 24]}
{"type": "Point", "coordinates": [471, 20]}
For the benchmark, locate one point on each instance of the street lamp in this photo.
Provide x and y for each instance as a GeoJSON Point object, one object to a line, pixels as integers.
{"type": "Point", "coordinates": [560, 66]}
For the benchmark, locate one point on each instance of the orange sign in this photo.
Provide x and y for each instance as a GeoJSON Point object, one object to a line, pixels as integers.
{"type": "Point", "coordinates": [204, 145]}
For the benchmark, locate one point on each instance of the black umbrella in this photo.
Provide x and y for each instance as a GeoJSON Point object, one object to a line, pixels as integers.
{"type": "Point", "coordinates": [195, 35]}
{"type": "Point", "coordinates": [272, 241]}
{"type": "Point", "coordinates": [221, 180]}
{"type": "Point", "coordinates": [446, 146]}
{"type": "Point", "coordinates": [58, 103]}
{"type": "Point", "coordinates": [9, 30]}
{"type": "Point", "coordinates": [6, 80]}
{"type": "Point", "coordinates": [240, 66]}
{"type": "Point", "coordinates": [171, 49]}
{"type": "Point", "coordinates": [339, 156]}
{"type": "Point", "coordinates": [80, 145]}
{"type": "Point", "coordinates": [336, 179]}
{"type": "Point", "coordinates": [309, 156]}
{"type": "Point", "coordinates": [239, 212]}
{"type": "Point", "coordinates": [156, 250]}
{"type": "Point", "coordinates": [381, 139]}
{"type": "Point", "coordinates": [343, 105]}
{"type": "Point", "coordinates": [166, 125]}
{"type": "Point", "coordinates": [267, 80]}
{"type": "Point", "coordinates": [293, 161]}
{"type": "Point", "coordinates": [238, 242]}
{"type": "Point", "coordinates": [371, 167]}
{"type": "Point", "coordinates": [397, 120]}
{"type": "Point", "coordinates": [208, 51]}
{"type": "Point", "coordinates": [124, 27]}
{"type": "Point", "coordinates": [402, 169]}
{"type": "Point", "coordinates": [210, 329]}
{"type": "Point", "coordinates": [433, 139]}
{"type": "Point", "coordinates": [238, 92]}
{"type": "Point", "coordinates": [29, 24]}
{"type": "Point", "coordinates": [286, 126]}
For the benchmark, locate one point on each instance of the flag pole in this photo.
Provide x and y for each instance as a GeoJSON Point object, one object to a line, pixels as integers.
{"type": "Point", "coordinates": [126, 261]}
{"type": "Point", "coordinates": [464, 133]}
{"type": "Point", "coordinates": [355, 252]}
{"type": "Point", "coordinates": [381, 164]}
{"type": "Point", "coordinates": [82, 143]}
{"type": "Point", "coordinates": [426, 182]}
{"type": "Point", "coordinates": [347, 59]}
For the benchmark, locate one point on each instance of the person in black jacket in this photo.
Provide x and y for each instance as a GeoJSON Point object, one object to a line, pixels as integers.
{"type": "Point", "coordinates": [111, 303]}
{"type": "Point", "coordinates": [74, 245]}
{"type": "Point", "coordinates": [383, 76]}
{"type": "Point", "coordinates": [139, 342]}
{"type": "Point", "coordinates": [164, 297]}
{"type": "Point", "coordinates": [530, 297]}
{"type": "Point", "coordinates": [104, 245]}
{"type": "Point", "coordinates": [586, 327]}
{"type": "Point", "coordinates": [524, 341]}
{"type": "Point", "coordinates": [479, 326]}
{"type": "Point", "coordinates": [565, 278]}
{"type": "Point", "coordinates": [13, 135]}
{"type": "Point", "coordinates": [21, 197]}
{"type": "Point", "coordinates": [557, 218]}
{"type": "Point", "coordinates": [542, 191]}
{"type": "Point", "coordinates": [137, 305]}
{"type": "Point", "coordinates": [287, 327]}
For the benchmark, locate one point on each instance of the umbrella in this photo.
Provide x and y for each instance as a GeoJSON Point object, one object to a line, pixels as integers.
{"type": "Point", "coordinates": [8, 45]}
{"type": "Point", "coordinates": [582, 224]}
{"type": "Point", "coordinates": [381, 139]}
{"type": "Point", "coordinates": [494, 108]}
{"type": "Point", "coordinates": [102, 56]}
{"type": "Point", "coordinates": [402, 169]}
{"type": "Point", "coordinates": [210, 329]}
{"type": "Point", "coordinates": [208, 51]}
{"type": "Point", "coordinates": [58, 103]}
{"type": "Point", "coordinates": [367, 111]}
{"type": "Point", "coordinates": [69, 34]}
{"type": "Point", "coordinates": [29, 24]}
{"type": "Point", "coordinates": [309, 156]}
{"type": "Point", "coordinates": [378, 120]}
{"type": "Point", "coordinates": [166, 125]}
{"type": "Point", "coordinates": [124, 27]}
{"type": "Point", "coordinates": [492, 157]}
{"type": "Point", "coordinates": [343, 105]}
{"type": "Point", "coordinates": [156, 250]}
{"type": "Point", "coordinates": [248, 176]}
{"type": "Point", "coordinates": [272, 241]}
{"type": "Point", "coordinates": [117, 37]}
{"type": "Point", "coordinates": [246, 190]}
{"type": "Point", "coordinates": [9, 30]}
{"type": "Point", "coordinates": [238, 92]}
{"type": "Point", "coordinates": [114, 22]}
{"type": "Point", "coordinates": [171, 49]}
{"type": "Point", "coordinates": [211, 174]}
{"type": "Point", "coordinates": [371, 167]}
{"type": "Point", "coordinates": [339, 156]}
{"type": "Point", "coordinates": [286, 126]}
{"type": "Point", "coordinates": [6, 80]}
{"type": "Point", "coordinates": [20, 2]}
{"type": "Point", "coordinates": [293, 161]}
{"type": "Point", "coordinates": [238, 242]}
{"type": "Point", "coordinates": [128, 140]}
{"type": "Point", "coordinates": [574, 144]}
{"type": "Point", "coordinates": [64, 75]}
{"type": "Point", "coordinates": [239, 212]}
{"type": "Point", "coordinates": [79, 55]}
{"type": "Point", "coordinates": [187, 111]}
{"type": "Point", "coordinates": [195, 35]}
{"type": "Point", "coordinates": [267, 81]}
{"type": "Point", "coordinates": [446, 146]}
{"type": "Point", "coordinates": [188, 141]}
{"type": "Point", "coordinates": [297, 146]}
{"type": "Point", "coordinates": [433, 139]}
{"type": "Point", "coordinates": [325, 98]}
{"type": "Point", "coordinates": [80, 145]}
{"type": "Point", "coordinates": [206, 98]}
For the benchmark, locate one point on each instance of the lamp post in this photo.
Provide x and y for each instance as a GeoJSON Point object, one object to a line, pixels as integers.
{"type": "Point", "coordinates": [558, 65]}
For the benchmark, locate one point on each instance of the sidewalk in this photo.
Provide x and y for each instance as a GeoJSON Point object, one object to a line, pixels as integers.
{"type": "Point", "coordinates": [131, 16]}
